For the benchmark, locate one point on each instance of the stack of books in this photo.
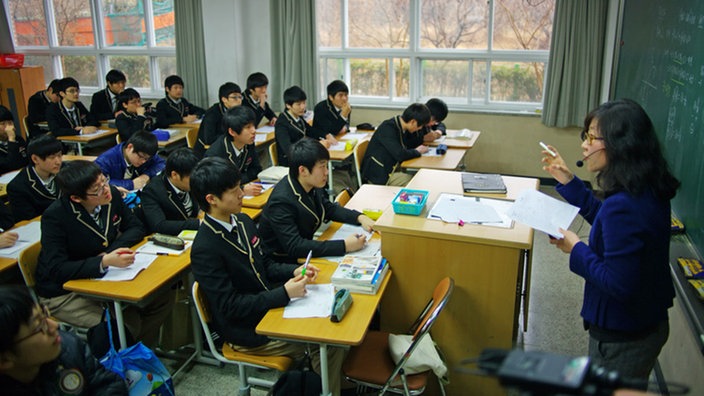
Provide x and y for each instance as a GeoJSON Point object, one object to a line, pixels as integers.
{"type": "Point", "coordinates": [487, 183]}
{"type": "Point", "coordinates": [360, 274]}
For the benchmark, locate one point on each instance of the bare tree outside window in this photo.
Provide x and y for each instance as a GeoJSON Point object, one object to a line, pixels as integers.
{"type": "Point", "coordinates": [379, 23]}
{"type": "Point", "coordinates": [454, 24]}
{"type": "Point", "coordinates": [74, 23]}
{"type": "Point", "coordinates": [28, 23]}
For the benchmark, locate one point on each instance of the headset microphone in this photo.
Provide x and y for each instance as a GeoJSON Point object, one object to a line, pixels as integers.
{"type": "Point", "coordinates": [580, 163]}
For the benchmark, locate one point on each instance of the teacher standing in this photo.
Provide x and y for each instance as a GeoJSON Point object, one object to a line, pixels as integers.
{"type": "Point", "coordinates": [628, 288]}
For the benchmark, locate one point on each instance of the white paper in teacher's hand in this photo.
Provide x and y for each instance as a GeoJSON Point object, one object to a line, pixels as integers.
{"type": "Point", "coordinates": [317, 303]}
{"type": "Point", "coordinates": [543, 212]}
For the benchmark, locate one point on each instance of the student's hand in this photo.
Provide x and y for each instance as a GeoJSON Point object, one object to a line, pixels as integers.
{"type": "Point", "coordinates": [343, 130]}
{"type": "Point", "coordinates": [262, 100]}
{"type": "Point", "coordinates": [252, 189]}
{"type": "Point", "coordinates": [140, 181]}
{"type": "Point", "coordinates": [272, 122]}
{"type": "Point", "coordinates": [123, 191]}
{"type": "Point", "coordinates": [556, 166]}
{"type": "Point", "coordinates": [11, 133]}
{"type": "Point", "coordinates": [431, 136]}
{"type": "Point", "coordinates": [366, 222]}
{"type": "Point", "coordinates": [296, 286]}
{"type": "Point", "coordinates": [141, 110]}
{"type": "Point", "coordinates": [189, 118]}
{"type": "Point", "coordinates": [311, 272]}
{"type": "Point", "coordinates": [354, 242]}
{"type": "Point", "coordinates": [331, 139]}
{"type": "Point", "coordinates": [87, 130]}
{"type": "Point", "coordinates": [566, 244]}
{"type": "Point", "coordinates": [120, 258]}
{"type": "Point", "coordinates": [346, 110]}
{"type": "Point", "coordinates": [325, 143]}
{"type": "Point", "coordinates": [8, 239]}
{"type": "Point", "coordinates": [422, 149]}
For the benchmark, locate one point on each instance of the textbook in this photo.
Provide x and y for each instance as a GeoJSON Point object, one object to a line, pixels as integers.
{"type": "Point", "coordinates": [691, 267]}
{"type": "Point", "coordinates": [360, 274]}
{"type": "Point", "coordinates": [483, 183]}
{"type": "Point", "coordinates": [273, 174]}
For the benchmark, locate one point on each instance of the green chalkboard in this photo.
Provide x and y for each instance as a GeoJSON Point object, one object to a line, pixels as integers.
{"type": "Point", "coordinates": [661, 66]}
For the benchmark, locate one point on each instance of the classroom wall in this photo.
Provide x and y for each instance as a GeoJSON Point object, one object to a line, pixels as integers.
{"type": "Point", "coordinates": [508, 143]}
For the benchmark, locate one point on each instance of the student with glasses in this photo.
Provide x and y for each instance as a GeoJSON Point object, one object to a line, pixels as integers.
{"type": "Point", "coordinates": [69, 116]}
{"type": "Point", "coordinates": [36, 358]}
{"type": "Point", "coordinates": [625, 263]}
{"type": "Point", "coordinates": [85, 233]}
{"type": "Point", "coordinates": [131, 164]}
{"type": "Point", "coordinates": [230, 95]}
{"type": "Point", "coordinates": [132, 117]}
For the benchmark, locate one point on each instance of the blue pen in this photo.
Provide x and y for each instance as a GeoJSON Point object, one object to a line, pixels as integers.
{"type": "Point", "coordinates": [379, 271]}
{"type": "Point", "coordinates": [305, 266]}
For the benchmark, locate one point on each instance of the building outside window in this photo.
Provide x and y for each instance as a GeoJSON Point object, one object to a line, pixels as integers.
{"type": "Point", "coordinates": [475, 54]}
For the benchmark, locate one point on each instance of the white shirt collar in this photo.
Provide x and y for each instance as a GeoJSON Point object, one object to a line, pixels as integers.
{"type": "Point", "coordinates": [228, 226]}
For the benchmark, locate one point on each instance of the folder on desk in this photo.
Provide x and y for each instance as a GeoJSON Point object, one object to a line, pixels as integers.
{"type": "Point", "coordinates": [483, 183]}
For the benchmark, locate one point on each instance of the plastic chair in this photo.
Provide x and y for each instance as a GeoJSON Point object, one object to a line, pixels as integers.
{"type": "Point", "coordinates": [273, 154]}
{"type": "Point", "coordinates": [25, 126]}
{"type": "Point", "coordinates": [118, 139]}
{"type": "Point", "coordinates": [359, 151]}
{"type": "Point", "coordinates": [370, 363]}
{"type": "Point", "coordinates": [344, 196]}
{"type": "Point", "coordinates": [27, 262]}
{"type": "Point", "coordinates": [230, 356]}
{"type": "Point", "coordinates": [191, 137]}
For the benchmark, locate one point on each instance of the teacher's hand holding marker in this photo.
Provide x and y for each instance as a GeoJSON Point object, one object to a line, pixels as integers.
{"type": "Point", "coordinates": [555, 165]}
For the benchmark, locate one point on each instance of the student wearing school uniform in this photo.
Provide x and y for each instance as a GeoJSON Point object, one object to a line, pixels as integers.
{"type": "Point", "coordinates": [299, 204]}
{"type": "Point", "coordinates": [85, 233]}
{"type": "Point", "coordinates": [69, 116]}
{"type": "Point", "coordinates": [37, 358]}
{"type": "Point", "coordinates": [237, 146]}
{"type": "Point", "coordinates": [36, 107]}
{"type": "Point", "coordinates": [133, 116]}
{"type": "Point", "coordinates": [169, 207]}
{"type": "Point", "coordinates": [129, 165]}
{"type": "Point", "coordinates": [438, 112]}
{"type": "Point", "coordinates": [290, 126]}
{"type": "Point", "coordinates": [256, 96]}
{"type": "Point", "coordinates": [174, 108]}
{"type": "Point", "coordinates": [35, 188]}
{"type": "Point", "coordinates": [387, 148]}
{"type": "Point", "coordinates": [240, 282]}
{"type": "Point", "coordinates": [331, 117]}
{"type": "Point", "coordinates": [13, 149]}
{"type": "Point", "coordinates": [230, 96]}
{"type": "Point", "coordinates": [103, 104]}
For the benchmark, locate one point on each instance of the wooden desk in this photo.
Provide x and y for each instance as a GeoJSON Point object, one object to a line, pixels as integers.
{"type": "Point", "coordinates": [268, 138]}
{"type": "Point", "coordinates": [175, 138]}
{"type": "Point", "coordinates": [252, 212]}
{"type": "Point", "coordinates": [341, 155]}
{"type": "Point", "coordinates": [257, 202]}
{"type": "Point", "coordinates": [187, 125]}
{"type": "Point", "coordinates": [452, 142]}
{"type": "Point", "coordinates": [82, 140]}
{"type": "Point", "coordinates": [487, 263]}
{"type": "Point", "coordinates": [69, 157]}
{"type": "Point", "coordinates": [449, 161]}
{"type": "Point", "coordinates": [350, 331]}
{"type": "Point", "coordinates": [8, 263]}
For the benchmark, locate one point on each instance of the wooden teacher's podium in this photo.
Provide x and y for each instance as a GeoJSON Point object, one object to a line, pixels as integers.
{"type": "Point", "coordinates": [487, 263]}
{"type": "Point", "coordinates": [16, 86]}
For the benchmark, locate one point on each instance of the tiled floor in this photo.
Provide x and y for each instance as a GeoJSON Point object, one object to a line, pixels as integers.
{"type": "Point", "coordinates": [554, 323]}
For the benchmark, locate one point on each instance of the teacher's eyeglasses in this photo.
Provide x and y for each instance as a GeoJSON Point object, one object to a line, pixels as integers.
{"type": "Point", "coordinates": [589, 137]}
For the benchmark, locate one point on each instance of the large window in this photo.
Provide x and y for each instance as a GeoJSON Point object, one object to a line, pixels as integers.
{"type": "Point", "coordinates": [86, 38]}
{"type": "Point", "coordinates": [475, 54]}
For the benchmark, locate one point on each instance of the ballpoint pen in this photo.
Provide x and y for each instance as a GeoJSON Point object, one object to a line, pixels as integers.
{"type": "Point", "coordinates": [305, 266]}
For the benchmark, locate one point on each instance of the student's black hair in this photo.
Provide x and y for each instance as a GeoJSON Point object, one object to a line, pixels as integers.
{"type": "Point", "coordinates": [125, 96]}
{"type": "Point", "coordinates": [68, 82]}
{"type": "Point", "coordinates": [227, 89]}
{"type": "Point", "coordinates": [5, 114]}
{"type": "Point", "coordinates": [182, 161]}
{"type": "Point", "coordinates": [256, 80]}
{"type": "Point", "coordinates": [43, 146]}
{"type": "Point", "coordinates": [173, 80]}
{"type": "Point", "coordinates": [237, 118]}
{"type": "Point", "coordinates": [294, 94]}
{"type": "Point", "coordinates": [438, 109]}
{"type": "Point", "coordinates": [144, 142]}
{"type": "Point", "coordinates": [76, 177]}
{"type": "Point", "coordinates": [635, 160]}
{"type": "Point", "coordinates": [55, 85]}
{"type": "Point", "coordinates": [115, 76]}
{"type": "Point", "coordinates": [213, 175]}
{"type": "Point", "coordinates": [337, 86]}
{"type": "Point", "coordinates": [306, 152]}
{"type": "Point", "coordinates": [16, 306]}
{"type": "Point", "coordinates": [418, 112]}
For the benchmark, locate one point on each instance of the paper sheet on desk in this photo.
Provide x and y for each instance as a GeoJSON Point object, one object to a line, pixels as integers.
{"type": "Point", "coordinates": [97, 132]}
{"type": "Point", "coordinates": [432, 152]}
{"type": "Point", "coordinates": [7, 177]}
{"type": "Point", "coordinates": [27, 235]}
{"type": "Point", "coordinates": [340, 146]}
{"type": "Point", "coordinates": [371, 248]}
{"type": "Point", "coordinates": [543, 212]}
{"type": "Point", "coordinates": [141, 262]}
{"type": "Point", "coordinates": [265, 186]}
{"type": "Point", "coordinates": [355, 136]}
{"type": "Point", "coordinates": [452, 208]}
{"type": "Point", "coordinates": [259, 137]}
{"type": "Point", "coordinates": [317, 303]}
{"type": "Point", "coordinates": [265, 129]}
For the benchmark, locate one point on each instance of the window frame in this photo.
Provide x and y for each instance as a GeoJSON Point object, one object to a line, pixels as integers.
{"type": "Point", "coordinates": [416, 55]}
{"type": "Point", "coordinates": [99, 50]}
